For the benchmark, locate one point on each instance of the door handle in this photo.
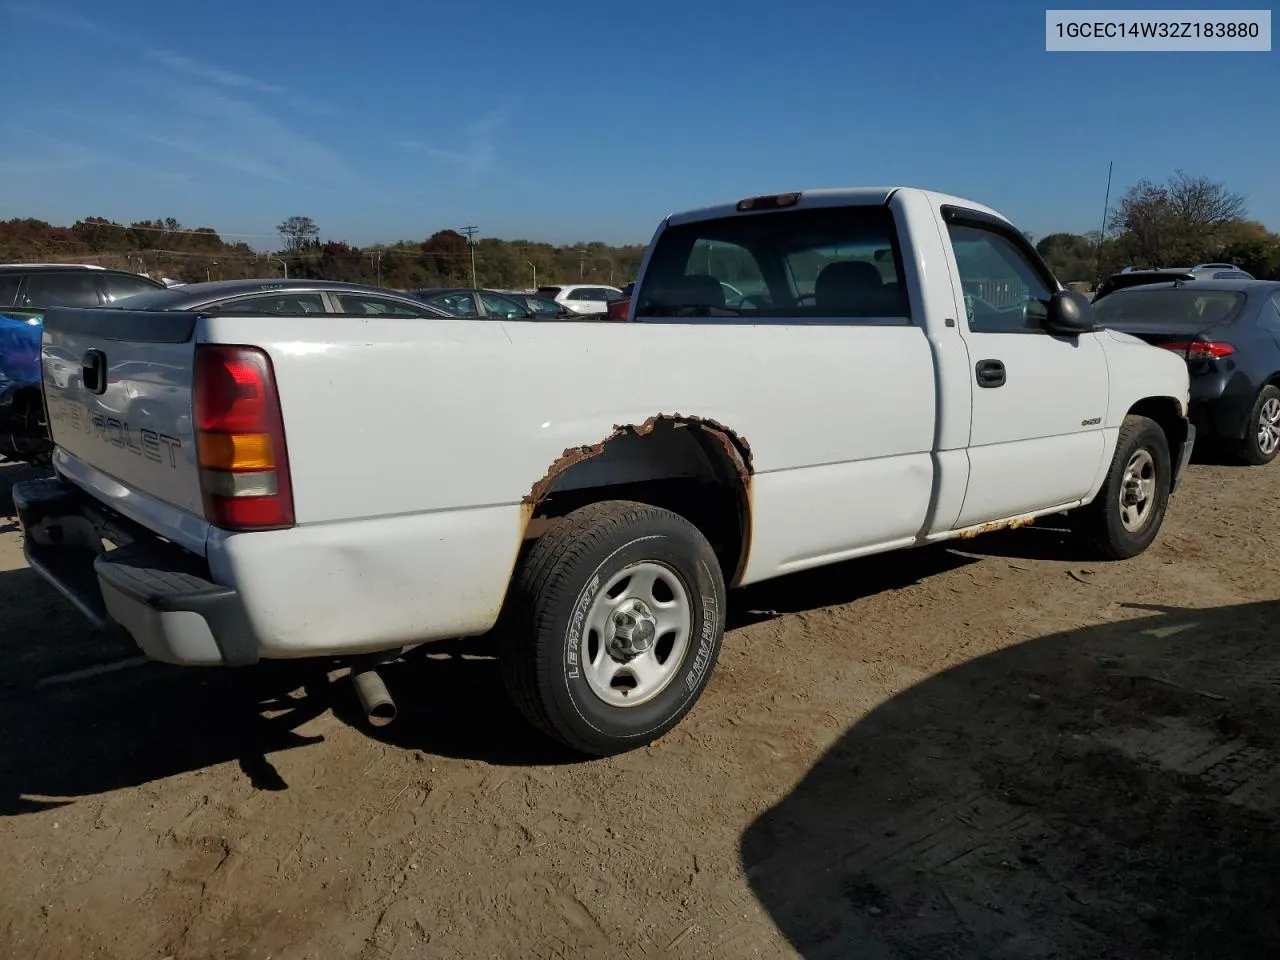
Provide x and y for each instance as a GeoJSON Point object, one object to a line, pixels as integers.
{"type": "Point", "coordinates": [93, 371]}
{"type": "Point", "coordinates": [990, 373]}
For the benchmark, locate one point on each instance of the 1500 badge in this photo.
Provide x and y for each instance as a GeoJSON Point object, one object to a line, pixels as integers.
{"type": "Point", "coordinates": [141, 442]}
{"type": "Point", "coordinates": [1091, 422]}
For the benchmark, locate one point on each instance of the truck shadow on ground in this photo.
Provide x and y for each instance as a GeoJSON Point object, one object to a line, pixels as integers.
{"type": "Point", "coordinates": [81, 713]}
{"type": "Point", "coordinates": [1105, 792]}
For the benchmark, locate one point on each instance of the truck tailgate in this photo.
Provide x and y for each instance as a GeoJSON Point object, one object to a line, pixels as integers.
{"type": "Point", "coordinates": [117, 387]}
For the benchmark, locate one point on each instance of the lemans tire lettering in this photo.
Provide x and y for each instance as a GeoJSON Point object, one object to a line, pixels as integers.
{"type": "Point", "coordinates": [706, 640]}
{"type": "Point", "coordinates": [574, 634]}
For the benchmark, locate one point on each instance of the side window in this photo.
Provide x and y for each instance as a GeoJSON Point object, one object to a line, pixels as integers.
{"type": "Point", "coordinates": [1270, 314]}
{"type": "Point", "coordinates": [9, 284]}
{"type": "Point", "coordinates": [582, 293]}
{"type": "Point", "coordinates": [501, 307]}
{"type": "Point", "coordinates": [120, 286]}
{"type": "Point", "coordinates": [1003, 293]}
{"type": "Point", "coordinates": [363, 305]}
{"type": "Point", "coordinates": [283, 304]}
{"type": "Point", "coordinates": [62, 290]}
{"type": "Point", "coordinates": [838, 264]}
{"type": "Point", "coordinates": [457, 304]}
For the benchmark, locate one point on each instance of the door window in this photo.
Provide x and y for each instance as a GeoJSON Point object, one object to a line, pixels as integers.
{"type": "Point", "coordinates": [455, 304]}
{"type": "Point", "coordinates": [62, 290]}
{"type": "Point", "coordinates": [284, 304]}
{"type": "Point", "coordinates": [365, 305]}
{"type": "Point", "coordinates": [1003, 292]}
{"type": "Point", "coordinates": [501, 307]}
{"type": "Point", "coordinates": [9, 284]}
{"type": "Point", "coordinates": [120, 286]}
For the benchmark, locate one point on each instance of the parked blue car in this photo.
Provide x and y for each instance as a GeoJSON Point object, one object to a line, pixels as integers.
{"type": "Point", "coordinates": [26, 289]}
{"type": "Point", "coordinates": [23, 432]}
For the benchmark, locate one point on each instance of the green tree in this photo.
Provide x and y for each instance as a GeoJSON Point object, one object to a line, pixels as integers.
{"type": "Point", "coordinates": [299, 233]}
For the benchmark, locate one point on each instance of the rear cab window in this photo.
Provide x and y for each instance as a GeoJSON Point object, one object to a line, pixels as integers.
{"type": "Point", "coordinates": [840, 264]}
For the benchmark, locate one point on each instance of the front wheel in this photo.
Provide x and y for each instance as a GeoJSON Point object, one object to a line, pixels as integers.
{"type": "Point", "coordinates": [1128, 511]}
{"type": "Point", "coordinates": [1261, 441]}
{"type": "Point", "coordinates": [613, 624]}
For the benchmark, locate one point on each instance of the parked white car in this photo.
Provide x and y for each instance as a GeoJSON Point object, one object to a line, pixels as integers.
{"type": "Point", "coordinates": [582, 297]}
{"type": "Point", "coordinates": [318, 486]}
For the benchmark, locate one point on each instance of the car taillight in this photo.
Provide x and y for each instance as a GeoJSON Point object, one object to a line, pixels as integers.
{"type": "Point", "coordinates": [244, 466]}
{"type": "Point", "coordinates": [1200, 349]}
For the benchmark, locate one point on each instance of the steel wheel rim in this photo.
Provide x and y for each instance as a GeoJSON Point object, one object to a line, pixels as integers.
{"type": "Point", "coordinates": [1138, 491]}
{"type": "Point", "coordinates": [635, 634]}
{"type": "Point", "coordinates": [1269, 426]}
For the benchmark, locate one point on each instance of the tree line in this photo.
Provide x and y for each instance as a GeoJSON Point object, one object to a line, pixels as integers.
{"type": "Point", "coordinates": [1179, 222]}
{"type": "Point", "coordinates": [167, 248]}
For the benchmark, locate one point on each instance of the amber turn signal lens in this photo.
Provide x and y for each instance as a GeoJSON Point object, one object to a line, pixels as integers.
{"type": "Point", "coordinates": [236, 451]}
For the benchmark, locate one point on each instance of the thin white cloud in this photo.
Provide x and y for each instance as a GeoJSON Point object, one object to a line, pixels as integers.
{"type": "Point", "coordinates": [174, 61]}
{"type": "Point", "coordinates": [219, 128]}
{"type": "Point", "coordinates": [180, 63]}
{"type": "Point", "coordinates": [57, 156]}
{"type": "Point", "coordinates": [477, 155]}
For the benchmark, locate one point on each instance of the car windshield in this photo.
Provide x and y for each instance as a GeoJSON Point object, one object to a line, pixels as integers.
{"type": "Point", "coordinates": [1172, 306]}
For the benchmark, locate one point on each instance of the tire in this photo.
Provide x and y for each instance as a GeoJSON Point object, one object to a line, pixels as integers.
{"type": "Point", "coordinates": [1116, 531]}
{"type": "Point", "coordinates": [1265, 415]}
{"type": "Point", "coordinates": [555, 656]}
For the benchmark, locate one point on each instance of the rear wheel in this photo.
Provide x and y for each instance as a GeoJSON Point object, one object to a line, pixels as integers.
{"type": "Point", "coordinates": [1261, 441]}
{"type": "Point", "coordinates": [613, 625]}
{"type": "Point", "coordinates": [1128, 511]}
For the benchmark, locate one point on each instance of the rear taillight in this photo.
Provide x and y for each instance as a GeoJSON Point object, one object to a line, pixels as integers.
{"type": "Point", "coordinates": [1200, 349]}
{"type": "Point", "coordinates": [244, 466]}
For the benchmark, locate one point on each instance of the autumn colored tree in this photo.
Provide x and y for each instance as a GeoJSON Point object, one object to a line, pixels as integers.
{"type": "Point", "coordinates": [1178, 223]}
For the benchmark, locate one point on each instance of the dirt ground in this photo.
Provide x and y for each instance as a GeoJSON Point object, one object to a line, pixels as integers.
{"type": "Point", "coordinates": [998, 751]}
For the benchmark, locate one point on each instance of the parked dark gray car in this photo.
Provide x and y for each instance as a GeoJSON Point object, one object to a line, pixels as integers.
{"type": "Point", "coordinates": [285, 297]}
{"type": "Point", "coordinates": [1229, 333]}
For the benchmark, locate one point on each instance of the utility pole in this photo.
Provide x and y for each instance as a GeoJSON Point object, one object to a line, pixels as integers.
{"type": "Point", "coordinates": [582, 263]}
{"type": "Point", "coordinates": [283, 264]}
{"type": "Point", "coordinates": [535, 273]}
{"type": "Point", "coordinates": [470, 231]}
{"type": "Point", "coordinates": [377, 265]}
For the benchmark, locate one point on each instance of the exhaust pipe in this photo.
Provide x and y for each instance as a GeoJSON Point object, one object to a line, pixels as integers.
{"type": "Point", "coordinates": [375, 698]}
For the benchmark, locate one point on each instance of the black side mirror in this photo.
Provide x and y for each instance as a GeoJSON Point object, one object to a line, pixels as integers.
{"type": "Point", "coordinates": [1069, 314]}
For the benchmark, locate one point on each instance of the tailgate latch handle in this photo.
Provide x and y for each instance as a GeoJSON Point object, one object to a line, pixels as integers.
{"type": "Point", "coordinates": [93, 371]}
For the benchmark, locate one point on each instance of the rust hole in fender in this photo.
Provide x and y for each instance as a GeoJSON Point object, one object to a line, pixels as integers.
{"type": "Point", "coordinates": [735, 446]}
{"type": "Point", "coordinates": [709, 434]}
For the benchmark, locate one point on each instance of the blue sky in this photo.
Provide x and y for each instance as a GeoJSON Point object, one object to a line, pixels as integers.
{"type": "Point", "coordinates": [568, 121]}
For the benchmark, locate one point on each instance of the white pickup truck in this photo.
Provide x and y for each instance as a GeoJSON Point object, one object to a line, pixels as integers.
{"type": "Point", "coordinates": [805, 378]}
